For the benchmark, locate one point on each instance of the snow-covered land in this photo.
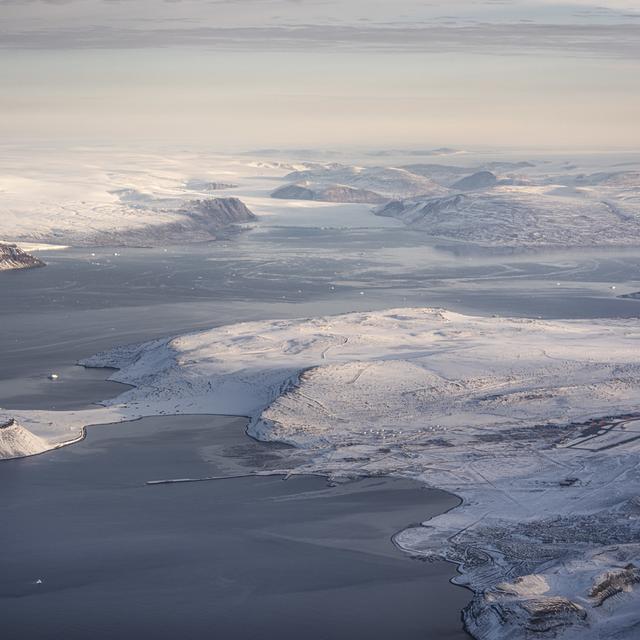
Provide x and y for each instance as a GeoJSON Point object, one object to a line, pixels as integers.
{"type": "Point", "coordinates": [141, 220]}
{"type": "Point", "coordinates": [87, 197]}
{"type": "Point", "coordinates": [498, 203]}
{"type": "Point", "coordinates": [108, 196]}
{"type": "Point", "coordinates": [521, 217]}
{"type": "Point", "coordinates": [534, 424]}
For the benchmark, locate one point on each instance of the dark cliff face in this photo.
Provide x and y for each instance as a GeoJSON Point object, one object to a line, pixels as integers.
{"type": "Point", "coordinates": [184, 221]}
{"type": "Point", "coordinates": [11, 257]}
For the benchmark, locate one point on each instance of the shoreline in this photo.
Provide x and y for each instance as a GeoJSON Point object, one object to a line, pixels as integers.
{"type": "Point", "coordinates": [285, 476]}
{"type": "Point", "coordinates": [354, 564]}
{"type": "Point", "coordinates": [298, 397]}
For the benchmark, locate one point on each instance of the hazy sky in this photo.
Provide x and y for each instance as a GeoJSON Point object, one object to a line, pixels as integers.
{"type": "Point", "coordinates": [252, 73]}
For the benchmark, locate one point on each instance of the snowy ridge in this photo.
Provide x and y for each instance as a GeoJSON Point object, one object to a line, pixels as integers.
{"type": "Point", "coordinates": [509, 414]}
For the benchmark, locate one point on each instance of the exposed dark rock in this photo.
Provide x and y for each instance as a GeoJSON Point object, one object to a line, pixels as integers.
{"type": "Point", "coordinates": [614, 582]}
{"type": "Point", "coordinates": [539, 615]}
{"type": "Point", "coordinates": [12, 257]}
{"type": "Point", "coordinates": [547, 613]}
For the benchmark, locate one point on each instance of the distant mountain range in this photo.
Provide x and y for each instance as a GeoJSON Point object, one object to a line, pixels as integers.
{"type": "Point", "coordinates": [514, 204]}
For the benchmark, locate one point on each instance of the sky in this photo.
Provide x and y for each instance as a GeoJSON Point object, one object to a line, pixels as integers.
{"type": "Point", "coordinates": [239, 74]}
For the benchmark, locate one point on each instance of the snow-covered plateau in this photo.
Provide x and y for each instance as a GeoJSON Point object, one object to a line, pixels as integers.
{"type": "Point", "coordinates": [534, 424]}
{"type": "Point", "coordinates": [90, 198]}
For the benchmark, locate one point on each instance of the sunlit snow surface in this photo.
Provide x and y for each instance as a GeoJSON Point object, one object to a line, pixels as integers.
{"type": "Point", "coordinates": [112, 197]}
{"type": "Point", "coordinates": [498, 411]}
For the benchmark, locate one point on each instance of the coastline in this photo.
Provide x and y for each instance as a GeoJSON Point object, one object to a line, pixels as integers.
{"type": "Point", "coordinates": [316, 384]}
{"type": "Point", "coordinates": [334, 531]}
{"type": "Point", "coordinates": [284, 474]}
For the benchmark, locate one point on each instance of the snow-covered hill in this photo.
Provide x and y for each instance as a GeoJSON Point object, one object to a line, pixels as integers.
{"type": "Point", "coordinates": [522, 217]}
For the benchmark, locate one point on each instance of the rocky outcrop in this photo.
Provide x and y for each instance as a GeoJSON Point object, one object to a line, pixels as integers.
{"type": "Point", "coordinates": [12, 257]}
{"type": "Point", "coordinates": [16, 441]}
{"type": "Point", "coordinates": [613, 583]}
{"type": "Point", "coordinates": [328, 193]}
{"type": "Point", "coordinates": [539, 616]}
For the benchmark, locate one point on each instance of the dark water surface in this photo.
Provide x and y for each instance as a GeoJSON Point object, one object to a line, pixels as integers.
{"type": "Point", "coordinates": [86, 300]}
{"type": "Point", "coordinates": [93, 552]}
{"type": "Point", "coordinates": [247, 557]}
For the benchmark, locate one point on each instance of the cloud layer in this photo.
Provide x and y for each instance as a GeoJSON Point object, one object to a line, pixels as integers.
{"type": "Point", "coordinates": [578, 27]}
{"type": "Point", "coordinates": [585, 40]}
